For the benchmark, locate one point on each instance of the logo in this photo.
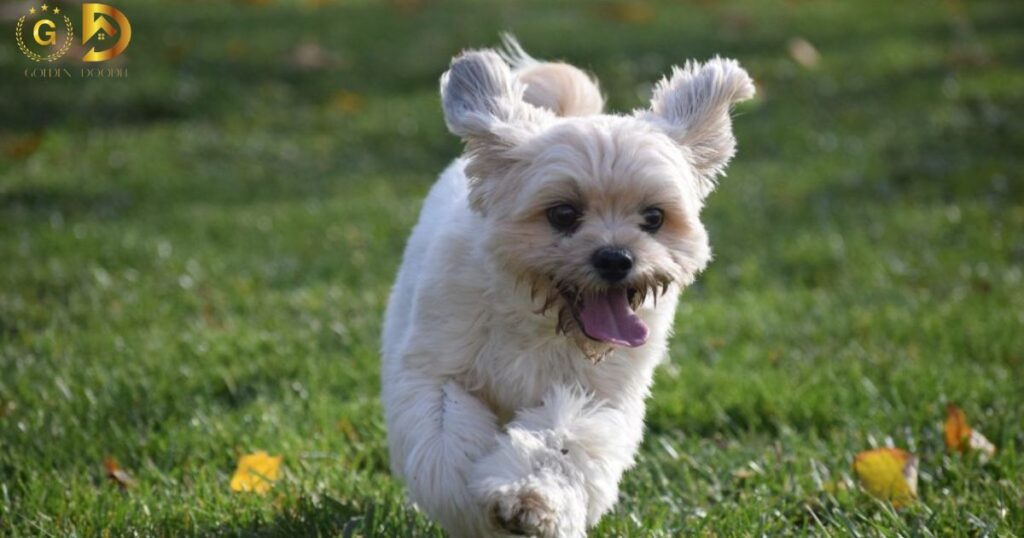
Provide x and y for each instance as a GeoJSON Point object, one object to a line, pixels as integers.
{"type": "Point", "coordinates": [43, 25]}
{"type": "Point", "coordinates": [46, 33]}
{"type": "Point", "coordinates": [102, 22]}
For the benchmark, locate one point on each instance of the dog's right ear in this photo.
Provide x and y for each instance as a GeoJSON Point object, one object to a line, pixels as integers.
{"type": "Point", "coordinates": [483, 101]}
{"type": "Point", "coordinates": [483, 104]}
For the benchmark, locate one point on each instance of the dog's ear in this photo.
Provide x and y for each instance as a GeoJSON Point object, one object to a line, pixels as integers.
{"type": "Point", "coordinates": [692, 106]}
{"type": "Point", "coordinates": [483, 104]}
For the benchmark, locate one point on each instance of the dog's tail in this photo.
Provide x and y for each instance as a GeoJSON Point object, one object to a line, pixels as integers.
{"type": "Point", "coordinates": [556, 86]}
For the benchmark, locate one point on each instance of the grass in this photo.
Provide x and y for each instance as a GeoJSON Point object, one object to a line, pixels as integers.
{"type": "Point", "coordinates": [195, 261]}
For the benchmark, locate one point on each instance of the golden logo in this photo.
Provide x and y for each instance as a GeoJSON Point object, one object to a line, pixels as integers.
{"type": "Point", "coordinates": [96, 22]}
{"type": "Point", "coordinates": [42, 29]}
{"type": "Point", "coordinates": [45, 34]}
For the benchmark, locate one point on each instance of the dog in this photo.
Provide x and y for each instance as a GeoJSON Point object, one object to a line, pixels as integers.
{"type": "Point", "coordinates": [537, 292]}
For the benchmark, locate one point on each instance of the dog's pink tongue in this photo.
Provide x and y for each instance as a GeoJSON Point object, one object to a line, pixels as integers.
{"type": "Point", "coordinates": [607, 317]}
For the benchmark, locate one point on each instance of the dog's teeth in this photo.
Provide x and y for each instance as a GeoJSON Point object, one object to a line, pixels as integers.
{"type": "Point", "coordinates": [563, 321]}
{"type": "Point", "coordinates": [549, 301]}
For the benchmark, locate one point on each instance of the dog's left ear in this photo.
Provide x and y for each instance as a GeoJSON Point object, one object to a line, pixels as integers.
{"type": "Point", "coordinates": [692, 107]}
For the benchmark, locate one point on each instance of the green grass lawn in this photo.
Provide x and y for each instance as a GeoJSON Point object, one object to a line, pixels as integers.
{"type": "Point", "coordinates": [194, 262]}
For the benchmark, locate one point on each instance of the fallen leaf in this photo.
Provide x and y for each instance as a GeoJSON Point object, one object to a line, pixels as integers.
{"type": "Point", "coordinates": [742, 474]}
{"type": "Point", "coordinates": [980, 444]}
{"type": "Point", "coordinates": [256, 472]}
{"type": "Point", "coordinates": [347, 102]}
{"type": "Point", "coordinates": [957, 430]}
{"type": "Point", "coordinates": [960, 437]}
{"type": "Point", "coordinates": [889, 474]}
{"type": "Point", "coordinates": [407, 7]}
{"type": "Point", "coordinates": [19, 147]}
{"type": "Point", "coordinates": [629, 12]}
{"type": "Point", "coordinates": [8, 408]}
{"type": "Point", "coordinates": [311, 56]}
{"type": "Point", "coordinates": [804, 53]}
{"type": "Point", "coordinates": [117, 474]}
{"type": "Point", "coordinates": [736, 21]}
{"type": "Point", "coordinates": [350, 432]}
{"type": "Point", "coordinates": [237, 48]}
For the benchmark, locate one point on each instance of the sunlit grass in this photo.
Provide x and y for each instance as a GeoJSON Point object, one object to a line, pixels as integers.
{"type": "Point", "coordinates": [194, 262]}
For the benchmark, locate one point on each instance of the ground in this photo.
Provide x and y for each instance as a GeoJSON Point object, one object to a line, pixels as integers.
{"type": "Point", "coordinates": [195, 261]}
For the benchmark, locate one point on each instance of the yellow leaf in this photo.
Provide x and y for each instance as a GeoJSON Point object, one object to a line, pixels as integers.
{"type": "Point", "coordinates": [256, 472]}
{"type": "Point", "coordinates": [889, 474]}
{"type": "Point", "coordinates": [961, 438]}
{"type": "Point", "coordinates": [347, 102]}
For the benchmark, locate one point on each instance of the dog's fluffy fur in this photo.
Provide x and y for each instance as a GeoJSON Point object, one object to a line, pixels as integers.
{"type": "Point", "coordinates": [503, 415]}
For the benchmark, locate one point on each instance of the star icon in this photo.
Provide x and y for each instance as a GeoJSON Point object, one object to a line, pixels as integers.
{"type": "Point", "coordinates": [32, 11]}
{"type": "Point", "coordinates": [56, 11]}
{"type": "Point", "coordinates": [46, 7]}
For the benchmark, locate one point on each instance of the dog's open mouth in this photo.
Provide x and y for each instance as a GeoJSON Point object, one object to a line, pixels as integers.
{"type": "Point", "coordinates": [608, 316]}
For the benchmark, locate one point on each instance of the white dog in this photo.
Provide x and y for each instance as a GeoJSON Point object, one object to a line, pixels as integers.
{"type": "Point", "coordinates": [538, 289]}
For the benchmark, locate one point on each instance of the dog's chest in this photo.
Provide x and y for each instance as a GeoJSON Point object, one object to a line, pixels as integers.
{"type": "Point", "coordinates": [512, 377]}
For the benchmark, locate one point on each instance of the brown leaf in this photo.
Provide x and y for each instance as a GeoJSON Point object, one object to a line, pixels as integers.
{"type": "Point", "coordinates": [8, 408]}
{"type": "Point", "coordinates": [310, 56]}
{"type": "Point", "coordinates": [960, 437]}
{"type": "Point", "coordinates": [407, 7]}
{"type": "Point", "coordinates": [629, 12]}
{"type": "Point", "coordinates": [956, 429]}
{"type": "Point", "coordinates": [21, 146]}
{"type": "Point", "coordinates": [117, 474]}
{"type": "Point", "coordinates": [736, 21]}
{"type": "Point", "coordinates": [350, 432]}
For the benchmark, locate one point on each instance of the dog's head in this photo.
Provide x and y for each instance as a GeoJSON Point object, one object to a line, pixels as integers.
{"type": "Point", "coordinates": [595, 212]}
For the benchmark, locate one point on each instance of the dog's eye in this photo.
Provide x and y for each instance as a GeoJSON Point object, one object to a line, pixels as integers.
{"type": "Point", "coordinates": [564, 217]}
{"type": "Point", "coordinates": [653, 219]}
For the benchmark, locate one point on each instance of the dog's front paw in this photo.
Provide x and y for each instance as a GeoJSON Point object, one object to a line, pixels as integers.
{"type": "Point", "coordinates": [523, 513]}
{"type": "Point", "coordinates": [530, 488]}
{"type": "Point", "coordinates": [545, 504]}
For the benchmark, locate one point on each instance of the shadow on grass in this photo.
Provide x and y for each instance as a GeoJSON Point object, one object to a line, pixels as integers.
{"type": "Point", "coordinates": [324, 515]}
{"type": "Point", "coordinates": [44, 200]}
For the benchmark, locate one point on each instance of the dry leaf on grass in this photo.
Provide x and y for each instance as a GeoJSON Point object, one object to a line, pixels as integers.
{"type": "Point", "coordinates": [21, 146]}
{"type": "Point", "coordinates": [804, 53]}
{"type": "Point", "coordinates": [311, 56]}
{"type": "Point", "coordinates": [960, 437]}
{"type": "Point", "coordinates": [118, 475]}
{"type": "Point", "coordinates": [256, 472]}
{"type": "Point", "coordinates": [889, 474]}
{"type": "Point", "coordinates": [407, 7]}
{"type": "Point", "coordinates": [347, 102]}
{"type": "Point", "coordinates": [629, 12]}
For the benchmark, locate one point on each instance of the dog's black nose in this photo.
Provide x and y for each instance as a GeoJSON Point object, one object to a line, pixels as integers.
{"type": "Point", "coordinates": [612, 263]}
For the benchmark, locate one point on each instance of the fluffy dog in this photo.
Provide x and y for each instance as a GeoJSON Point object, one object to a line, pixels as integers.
{"type": "Point", "coordinates": [538, 289]}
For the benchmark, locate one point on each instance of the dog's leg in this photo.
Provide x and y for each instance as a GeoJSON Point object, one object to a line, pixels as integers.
{"type": "Point", "coordinates": [557, 469]}
{"type": "Point", "coordinates": [436, 431]}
